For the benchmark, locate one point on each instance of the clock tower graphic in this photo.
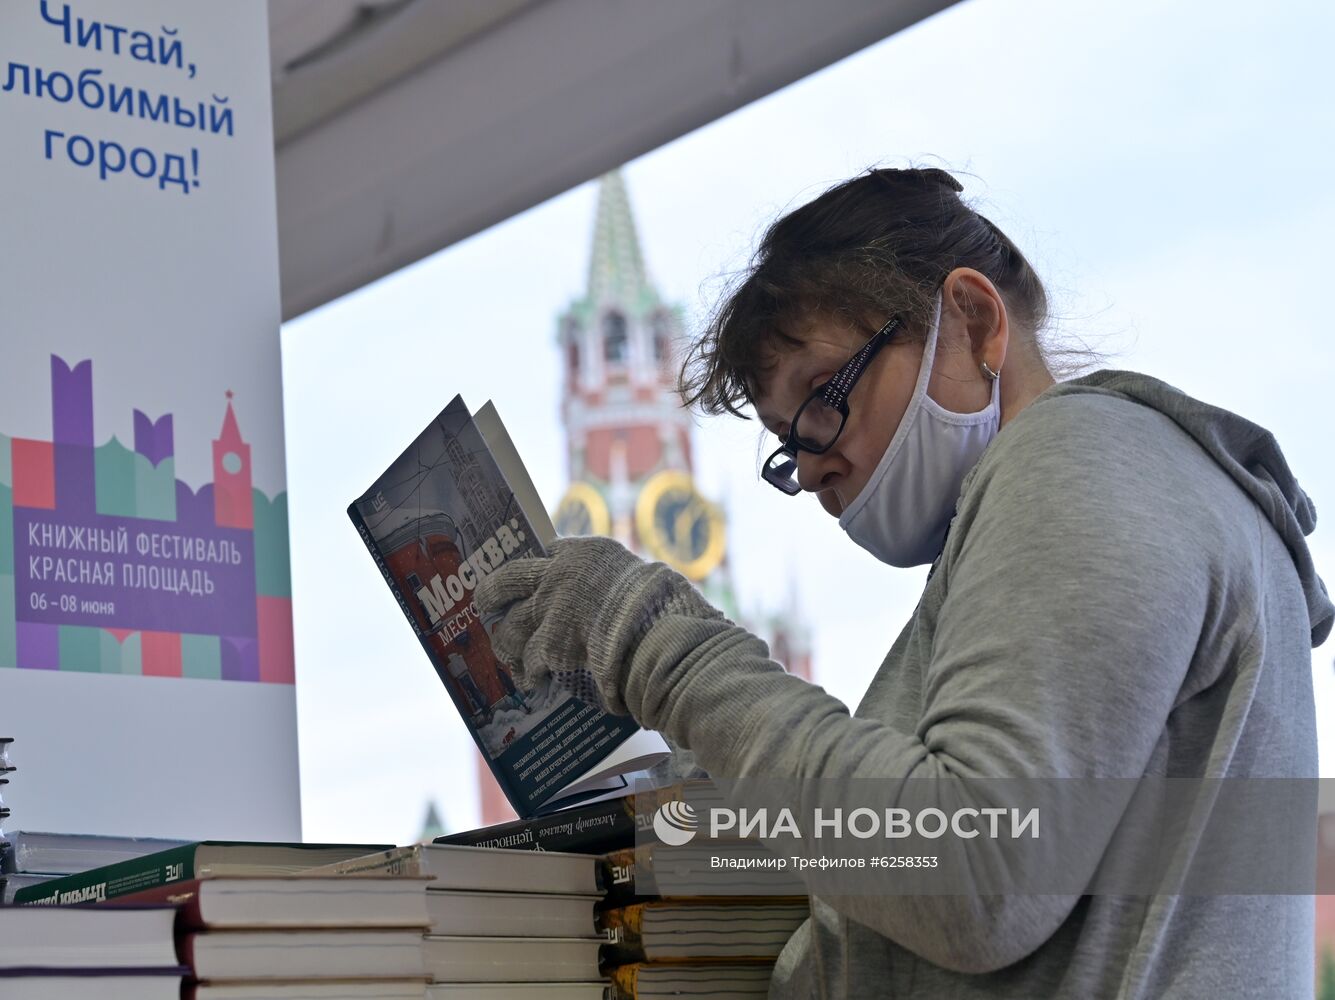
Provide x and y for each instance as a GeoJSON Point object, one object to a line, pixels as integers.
{"type": "Point", "coordinates": [628, 439]}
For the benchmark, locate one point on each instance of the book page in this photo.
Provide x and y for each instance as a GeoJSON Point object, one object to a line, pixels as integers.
{"type": "Point", "coordinates": [502, 449]}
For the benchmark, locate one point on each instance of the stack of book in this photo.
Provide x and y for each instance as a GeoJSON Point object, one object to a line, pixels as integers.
{"type": "Point", "coordinates": [297, 936]}
{"type": "Point", "coordinates": [712, 947]}
{"type": "Point", "coordinates": [31, 858]}
{"type": "Point", "coordinates": [672, 925]}
{"type": "Point", "coordinates": [66, 952]}
{"type": "Point", "coordinates": [249, 924]}
{"type": "Point", "coordinates": [505, 924]}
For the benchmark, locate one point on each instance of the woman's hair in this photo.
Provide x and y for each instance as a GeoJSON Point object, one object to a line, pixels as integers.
{"type": "Point", "coordinates": [867, 249]}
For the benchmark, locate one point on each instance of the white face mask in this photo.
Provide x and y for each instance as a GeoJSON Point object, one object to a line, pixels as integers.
{"type": "Point", "coordinates": [902, 514]}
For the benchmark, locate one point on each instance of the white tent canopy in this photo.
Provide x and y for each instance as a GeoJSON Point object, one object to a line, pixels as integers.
{"type": "Point", "coordinates": [403, 126]}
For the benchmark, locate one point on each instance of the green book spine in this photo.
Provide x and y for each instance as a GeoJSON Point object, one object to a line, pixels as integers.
{"type": "Point", "coordinates": [173, 865]}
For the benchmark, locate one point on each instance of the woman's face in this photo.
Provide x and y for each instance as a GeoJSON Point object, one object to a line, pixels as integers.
{"type": "Point", "coordinates": [877, 404]}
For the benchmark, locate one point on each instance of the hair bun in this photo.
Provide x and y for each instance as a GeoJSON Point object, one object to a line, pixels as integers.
{"type": "Point", "coordinates": [919, 175]}
{"type": "Point", "coordinates": [939, 176]}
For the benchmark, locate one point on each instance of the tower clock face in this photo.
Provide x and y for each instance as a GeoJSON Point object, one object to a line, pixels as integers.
{"type": "Point", "coordinates": [582, 511]}
{"type": "Point", "coordinates": [678, 526]}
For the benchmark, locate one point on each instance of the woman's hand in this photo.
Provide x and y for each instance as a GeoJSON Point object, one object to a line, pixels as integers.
{"type": "Point", "coordinates": [579, 613]}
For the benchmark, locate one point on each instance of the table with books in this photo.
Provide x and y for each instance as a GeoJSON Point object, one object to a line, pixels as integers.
{"type": "Point", "coordinates": [557, 914]}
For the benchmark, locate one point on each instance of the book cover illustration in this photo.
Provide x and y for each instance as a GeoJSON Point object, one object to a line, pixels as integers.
{"type": "Point", "coordinates": [437, 521]}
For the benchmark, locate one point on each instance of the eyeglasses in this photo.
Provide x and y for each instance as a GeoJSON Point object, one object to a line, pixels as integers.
{"type": "Point", "coordinates": [820, 419]}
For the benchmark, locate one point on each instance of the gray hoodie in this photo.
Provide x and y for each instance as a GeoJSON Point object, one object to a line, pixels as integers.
{"type": "Point", "coordinates": [1125, 590]}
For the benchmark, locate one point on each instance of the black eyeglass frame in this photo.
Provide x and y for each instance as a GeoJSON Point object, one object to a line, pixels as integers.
{"type": "Point", "coordinates": [833, 394]}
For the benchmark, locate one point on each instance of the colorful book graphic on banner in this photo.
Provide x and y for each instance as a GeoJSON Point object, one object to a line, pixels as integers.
{"type": "Point", "coordinates": [456, 505]}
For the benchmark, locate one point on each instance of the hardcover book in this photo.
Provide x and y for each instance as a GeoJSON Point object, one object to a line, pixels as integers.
{"type": "Point", "coordinates": [206, 859]}
{"type": "Point", "coordinates": [476, 869]}
{"type": "Point", "coordinates": [455, 506]}
{"type": "Point", "coordinates": [137, 939]}
{"type": "Point", "coordinates": [36, 852]}
{"type": "Point", "coordinates": [594, 828]}
{"type": "Point", "coordinates": [304, 954]}
{"type": "Point", "coordinates": [302, 902]}
{"type": "Point", "coordinates": [601, 827]}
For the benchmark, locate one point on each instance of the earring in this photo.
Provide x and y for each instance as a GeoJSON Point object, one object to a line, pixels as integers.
{"type": "Point", "coordinates": [993, 376]}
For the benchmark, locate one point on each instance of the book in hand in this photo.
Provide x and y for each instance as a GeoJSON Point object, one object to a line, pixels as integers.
{"type": "Point", "coordinates": [205, 859]}
{"type": "Point", "coordinates": [455, 506]}
{"type": "Point", "coordinates": [670, 930]}
{"type": "Point", "coordinates": [480, 869]}
{"type": "Point", "coordinates": [292, 901]}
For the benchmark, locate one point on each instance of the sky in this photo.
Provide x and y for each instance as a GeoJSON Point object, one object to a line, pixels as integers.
{"type": "Point", "coordinates": [1165, 167]}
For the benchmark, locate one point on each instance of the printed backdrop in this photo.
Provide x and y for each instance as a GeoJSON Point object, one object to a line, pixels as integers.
{"type": "Point", "coordinates": [146, 666]}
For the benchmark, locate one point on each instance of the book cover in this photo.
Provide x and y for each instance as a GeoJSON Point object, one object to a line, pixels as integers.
{"type": "Point", "coordinates": [204, 859]}
{"type": "Point", "coordinates": [600, 827]}
{"type": "Point", "coordinates": [440, 518]}
{"type": "Point", "coordinates": [595, 828]}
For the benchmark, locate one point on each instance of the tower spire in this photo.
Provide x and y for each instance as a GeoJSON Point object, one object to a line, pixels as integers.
{"type": "Point", "coordinates": [616, 266]}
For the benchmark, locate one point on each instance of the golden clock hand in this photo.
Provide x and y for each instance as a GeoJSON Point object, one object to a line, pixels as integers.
{"type": "Point", "coordinates": [682, 532]}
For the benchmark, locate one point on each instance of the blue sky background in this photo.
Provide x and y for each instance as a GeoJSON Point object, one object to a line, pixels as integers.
{"type": "Point", "coordinates": [1166, 167]}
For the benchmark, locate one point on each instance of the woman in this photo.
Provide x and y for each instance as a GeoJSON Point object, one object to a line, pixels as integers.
{"type": "Point", "coordinates": [1120, 587]}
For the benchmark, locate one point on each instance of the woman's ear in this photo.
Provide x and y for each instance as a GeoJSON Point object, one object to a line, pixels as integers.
{"type": "Point", "coordinates": [975, 307]}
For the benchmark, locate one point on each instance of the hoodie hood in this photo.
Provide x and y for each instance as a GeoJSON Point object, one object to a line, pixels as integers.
{"type": "Point", "coordinates": [1248, 453]}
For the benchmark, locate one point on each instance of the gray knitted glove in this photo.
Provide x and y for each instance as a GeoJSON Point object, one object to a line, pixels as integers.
{"type": "Point", "coordinates": [579, 613]}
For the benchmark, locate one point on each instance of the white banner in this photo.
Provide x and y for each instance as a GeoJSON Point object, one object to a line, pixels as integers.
{"type": "Point", "coordinates": [146, 666]}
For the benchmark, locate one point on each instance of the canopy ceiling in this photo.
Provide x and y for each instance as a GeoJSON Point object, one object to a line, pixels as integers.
{"type": "Point", "coordinates": [403, 126]}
